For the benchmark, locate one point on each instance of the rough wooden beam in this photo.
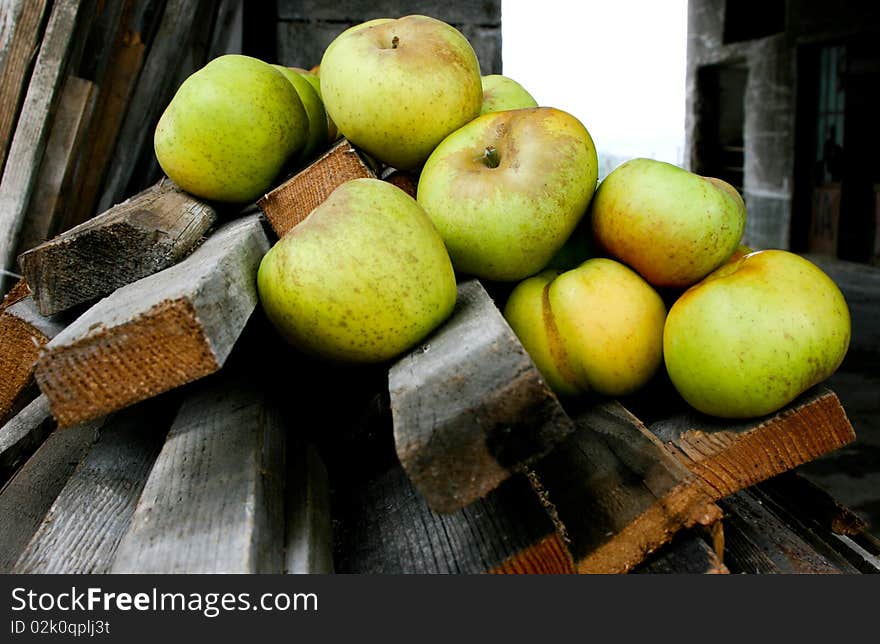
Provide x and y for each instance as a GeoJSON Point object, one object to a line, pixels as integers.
{"type": "Point", "coordinates": [115, 83]}
{"type": "Point", "coordinates": [32, 130]}
{"type": "Point", "coordinates": [309, 534]}
{"type": "Point", "coordinates": [470, 407]}
{"type": "Point", "coordinates": [158, 333]}
{"type": "Point", "coordinates": [729, 456]}
{"type": "Point", "coordinates": [214, 501]}
{"type": "Point", "coordinates": [54, 181]}
{"type": "Point", "coordinates": [82, 529]}
{"type": "Point", "coordinates": [17, 292]}
{"type": "Point", "coordinates": [20, 23]}
{"type": "Point", "coordinates": [23, 332]}
{"type": "Point", "coordinates": [22, 434]}
{"type": "Point", "coordinates": [141, 236]}
{"type": "Point", "coordinates": [385, 527]}
{"type": "Point", "coordinates": [28, 496]}
{"type": "Point", "coordinates": [757, 540]}
{"type": "Point", "coordinates": [292, 201]}
{"type": "Point", "coordinates": [618, 494]}
{"type": "Point", "coordinates": [151, 96]}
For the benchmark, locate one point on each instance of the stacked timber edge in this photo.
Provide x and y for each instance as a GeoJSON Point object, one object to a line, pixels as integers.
{"type": "Point", "coordinates": [158, 333]}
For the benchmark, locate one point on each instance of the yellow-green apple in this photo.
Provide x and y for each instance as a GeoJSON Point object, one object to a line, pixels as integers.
{"type": "Point", "coordinates": [598, 327]}
{"type": "Point", "coordinates": [314, 107]}
{"type": "Point", "coordinates": [503, 93]}
{"type": "Point", "coordinates": [672, 226]}
{"type": "Point", "coordinates": [362, 279]}
{"type": "Point", "coordinates": [507, 189]}
{"type": "Point", "coordinates": [754, 334]}
{"type": "Point", "coordinates": [396, 88]}
{"type": "Point", "coordinates": [311, 75]}
{"type": "Point", "coordinates": [230, 128]}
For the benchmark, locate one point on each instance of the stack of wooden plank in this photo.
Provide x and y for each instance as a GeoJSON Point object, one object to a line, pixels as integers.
{"type": "Point", "coordinates": [82, 85]}
{"type": "Point", "coordinates": [154, 422]}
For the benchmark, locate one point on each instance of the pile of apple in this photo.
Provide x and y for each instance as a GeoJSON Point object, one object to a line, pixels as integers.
{"type": "Point", "coordinates": [507, 191]}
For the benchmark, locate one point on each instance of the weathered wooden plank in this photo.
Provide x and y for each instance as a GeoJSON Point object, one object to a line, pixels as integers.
{"type": "Point", "coordinates": [309, 534]}
{"type": "Point", "coordinates": [469, 405]}
{"type": "Point", "coordinates": [292, 201]}
{"type": "Point", "coordinates": [143, 235]}
{"type": "Point", "coordinates": [471, 12]}
{"type": "Point", "coordinates": [688, 554]}
{"type": "Point", "coordinates": [23, 332]}
{"type": "Point", "coordinates": [32, 129]}
{"type": "Point", "coordinates": [22, 434]}
{"type": "Point", "coordinates": [150, 97]}
{"type": "Point", "coordinates": [759, 541]}
{"type": "Point", "coordinates": [385, 527]}
{"type": "Point", "coordinates": [28, 496]}
{"type": "Point", "coordinates": [115, 83]}
{"type": "Point", "coordinates": [82, 529]}
{"type": "Point", "coordinates": [17, 292]}
{"type": "Point", "coordinates": [158, 333]}
{"type": "Point", "coordinates": [50, 193]}
{"type": "Point", "coordinates": [730, 455]}
{"type": "Point", "coordinates": [820, 520]}
{"type": "Point", "coordinates": [214, 501]}
{"type": "Point", "coordinates": [617, 492]}
{"type": "Point", "coordinates": [20, 23]}
{"type": "Point", "coordinates": [226, 36]}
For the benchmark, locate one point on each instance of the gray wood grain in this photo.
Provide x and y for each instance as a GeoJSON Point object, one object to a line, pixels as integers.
{"type": "Point", "coordinates": [23, 433]}
{"type": "Point", "coordinates": [470, 406]}
{"type": "Point", "coordinates": [143, 235]}
{"type": "Point", "coordinates": [82, 529]}
{"type": "Point", "coordinates": [158, 333]}
{"type": "Point", "coordinates": [28, 496]}
{"type": "Point", "coordinates": [617, 492]}
{"type": "Point", "coordinates": [690, 554]}
{"type": "Point", "coordinates": [151, 96]}
{"type": "Point", "coordinates": [53, 187]}
{"type": "Point", "coordinates": [214, 502]}
{"type": "Point", "coordinates": [309, 535]}
{"type": "Point", "coordinates": [32, 131]}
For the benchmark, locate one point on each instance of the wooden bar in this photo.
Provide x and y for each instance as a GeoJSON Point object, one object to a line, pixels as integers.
{"type": "Point", "coordinates": [82, 529]}
{"type": "Point", "coordinates": [295, 199]}
{"type": "Point", "coordinates": [729, 456]}
{"type": "Point", "coordinates": [214, 501]}
{"type": "Point", "coordinates": [143, 235]}
{"type": "Point", "coordinates": [617, 493]}
{"type": "Point", "coordinates": [309, 534]}
{"type": "Point", "coordinates": [32, 129]}
{"type": "Point", "coordinates": [53, 188]}
{"type": "Point", "coordinates": [28, 496]}
{"type": "Point", "coordinates": [760, 542]}
{"type": "Point", "coordinates": [154, 89]}
{"type": "Point", "coordinates": [115, 82]}
{"type": "Point", "coordinates": [385, 527]}
{"type": "Point", "coordinates": [22, 22]}
{"type": "Point", "coordinates": [23, 333]}
{"type": "Point", "coordinates": [158, 333]}
{"type": "Point", "coordinates": [23, 434]}
{"type": "Point", "coordinates": [470, 407]}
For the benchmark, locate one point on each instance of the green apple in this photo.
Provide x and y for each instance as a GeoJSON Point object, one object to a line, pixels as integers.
{"type": "Point", "coordinates": [507, 190]}
{"type": "Point", "coordinates": [598, 327]}
{"type": "Point", "coordinates": [755, 334]}
{"type": "Point", "coordinates": [672, 226]}
{"type": "Point", "coordinates": [311, 75]}
{"type": "Point", "coordinates": [362, 279]}
{"type": "Point", "coordinates": [314, 107]}
{"type": "Point", "coordinates": [396, 88]}
{"type": "Point", "coordinates": [503, 93]}
{"type": "Point", "coordinates": [230, 128]}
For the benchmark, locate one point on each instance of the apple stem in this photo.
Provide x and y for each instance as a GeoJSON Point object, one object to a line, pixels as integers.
{"type": "Point", "coordinates": [490, 157]}
{"type": "Point", "coordinates": [394, 42]}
